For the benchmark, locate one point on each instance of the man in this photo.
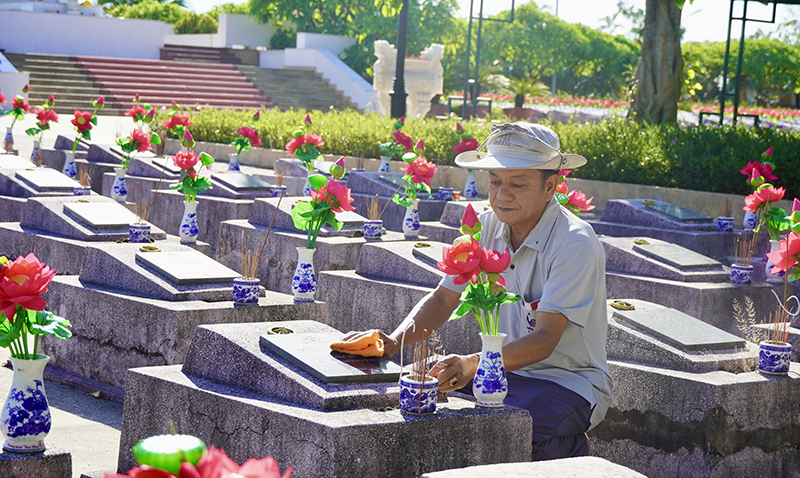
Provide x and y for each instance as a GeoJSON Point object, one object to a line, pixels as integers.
{"type": "Point", "coordinates": [554, 351]}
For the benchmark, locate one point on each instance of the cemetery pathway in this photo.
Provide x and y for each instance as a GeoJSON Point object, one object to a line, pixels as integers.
{"type": "Point", "coordinates": [87, 427]}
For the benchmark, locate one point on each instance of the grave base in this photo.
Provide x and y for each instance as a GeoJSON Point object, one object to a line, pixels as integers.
{"type": "Point", "coordinates": [11, 208]}
{"type": "Point", "coordinates": [51, 463]}
{"type": "Point", "coordinates": [581, 467]}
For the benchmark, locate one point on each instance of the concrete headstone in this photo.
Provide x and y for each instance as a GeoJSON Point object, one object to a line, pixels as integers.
{"type": "Point", "coordinates": [677, 256]}
{"type": "Point", "coordinates": [100, 215]}
{"type": "Point", "coordinates": [46, 180]}
{"type": "Point", "coordinates": [11, 161]}
{"type": "Point", "coordinates": [187, 268]}
{"type": "Point", "coordinates": [678, 213]}
{"type": "Point", "coordinates": [428, 252]}
{"type": "Point", "coordinates": [240, 181]}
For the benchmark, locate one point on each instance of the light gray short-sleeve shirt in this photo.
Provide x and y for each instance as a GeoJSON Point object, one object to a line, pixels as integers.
{"type": "Point", "coordinates": [560, 267]}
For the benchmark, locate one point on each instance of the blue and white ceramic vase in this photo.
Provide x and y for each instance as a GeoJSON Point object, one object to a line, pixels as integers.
{"type": "Point", "coordinates": [724, 224]}
{"type": "Point", "coordinates": [445, 194]}
{"type": "Point", "coordinates": [411, 220]}
{"type": "Point", "coordinates": [385, 167]}
{"type": "Point", "coordinates": [471, 187]}
{"type": "Point", "coordinates": [304, 282]}
{"type": "Point", "coordinates": [233, 162]}
{"type": "Point", "coordinates": [750, 221]}
{"type": "Point", "coordinates": [245, 291]}
{"type": "Point", "coordinates": [277, 191]}
{"type": "Point", "coordinates": [189, 230]}
{"type": "Point", "coordinates": [741, 274]}
{"type": "Point", "coordinates": [82, 191]}
{"type": "Point", "coordinates": [36, 154]}
{"type": "Point", "coordinates": [139, 232]}
{"type": "Point", "coordinates": [373, 229]}
{"type": "Point", "coordinates": [8, 141]}
{"type": "Point", "coordinates": [416, 396]}
{"type": "Point", "coordinates": [774, 357]}
{"type": "Point", "coordinates": [25, 419]}
{"type": "Point", "coordinates": [490, 385]}
{"type": "Point", "coordinates": [69, 165]}
{"type": "Point", "coordinates": [119, 190]}
{"type": "Point", "coordinates": [773, 278]}
{"type": "Point", "coordinates": [307, 186]}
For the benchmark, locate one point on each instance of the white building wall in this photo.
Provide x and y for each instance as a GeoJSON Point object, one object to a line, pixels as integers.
{"type": "Point", "coordinates": [335, 44]}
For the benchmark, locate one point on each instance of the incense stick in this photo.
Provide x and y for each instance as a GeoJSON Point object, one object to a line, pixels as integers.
{"type": "Point", "coordinates": [387, 202]}
{"type": "Point", "coordinates": [251, 261]}
{"type": "Point", "coordinates": [372, 208]}
{"type": "Point", "coordinates": [743, 250]}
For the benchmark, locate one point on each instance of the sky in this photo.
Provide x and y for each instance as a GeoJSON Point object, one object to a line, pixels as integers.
{"type": "Point", "coordinates": [703, 19]}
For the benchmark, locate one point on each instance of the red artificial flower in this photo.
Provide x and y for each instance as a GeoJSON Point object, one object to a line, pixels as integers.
{"type": "Point", "coordinates": [2, 99]}
{"type": "Point", "coordinates": [420, 145]}
{"type": "Point", "coordinates": [765, 195]}
{"type": "Point", "coordinates": [295, 143]}
{"type": "Point", "coordinates": [314, 139]}
{"type": "Point", "coordinates": [82, 120]}
{"type": "Point", "coordinates": [20, 102]}
{"type": "Point", "coordinates": [768, 152]}
{"type": "Point", "coordinates": [177, 120]}
{"type": "Point", "coordinates": [562, 187]}
{"type": "Point", "coordinates": [251, 134]}
{"type": "Point", "coordinates": [493, 262]}
{"type": "Point", "coordinates": [796, 205]}
{"type": "Point", "coordinates": [308, 119]}
{"type": "Point", "coordinates": [421, 170]}
{"type": "Point", "coordinates": [466, 144]}
{"type": "Point", "coordinates": [263, 468]}
{"type": "Point", "coordinates": [459, 127]}
{"type": "Point", "coordinates": [335, 193]}
{"type": "Point", "coordinates": [135, 111]}
{"type": "Point", "coordinates": [141, 139]}
{"type": "Point", "coordinates": [779, 257]}
{"type": "Point", "coordinates": [45, 116]}
{"type": "Point", "coordinates": [22, 282]}
{"type": "Point", "coordinates": [338, 170]}
{"type": "Point", "coordinates": [403, 140]}
{"type": "Point", "coordinates": [578, 200]}
{"type": "Point", "coordinates": [461, 259]}
{"type": "Point", "coordinates": [564, 172]}
{"type": "Point", "coordinates": [101, 101]}
{"type": "Point", "coordinates": [187, 160]}
{"type": "Point", "coordinates": [470, 217]}
{"type": "Point", "coordinates": [764, 170]}
{"type": "Point", "coordinates": [498, 286]}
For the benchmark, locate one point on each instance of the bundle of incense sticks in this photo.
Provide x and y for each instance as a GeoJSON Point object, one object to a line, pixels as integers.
{"type": "Point", "coordinates": [743, 249]}
{"type": "Point", "coordinates": [372, 208]}
{"type": "Point", "coordinates": [84, 176]}
{"type": "Point", "coordinates": [250, 259]}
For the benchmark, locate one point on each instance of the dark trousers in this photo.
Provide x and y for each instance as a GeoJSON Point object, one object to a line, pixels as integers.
{"type": "Point", "coordinates": [560, 416]}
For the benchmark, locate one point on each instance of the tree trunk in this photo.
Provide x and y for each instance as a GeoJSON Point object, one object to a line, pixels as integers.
{"type": "Point", "coordinates": [658, 76]}
{"type": "Point", "coordinates": [519, 100]}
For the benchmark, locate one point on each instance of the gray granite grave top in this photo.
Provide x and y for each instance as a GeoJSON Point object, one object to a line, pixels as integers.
{"type": "Point", "coordinates": [311, 353]}
{"type": "Point", "coordinates": [234, 355]}
{"type": "Point", "coordinates": [454, 211]}
{"type": "Point", "coordinates": [46, 180]}
{"type": "Point", "coordinates": [12, 161]}
{"type": "Point", "coordinates": [104, 153]}
{"type": "Point", "coordinates": [49, 215]}
{"type": "Point", "coordinates": [652, 334]}
{"type": "Point", "coordinates": [264, 208]}
{"type": "Point", "coordinates": [240, 181]}
{"type": "Point", "coordinates": [624, 257]}
{"type": "Point", "coordinates": [398, 261]}
{"type": "Point", "coordinates": [657, 214]}
{"type": "Point", "coordinates": [127, 269]}
{"type": "Point", "coordinates": [187, 267]}
{"type": "Point", "coordinates": [676, 256]}
{"type": "Point", "coordinates": [151, 166]}
{"type": "Point", "coordinates": [100, 215]}
{"type": "Point", "coordinates": [291, 167]}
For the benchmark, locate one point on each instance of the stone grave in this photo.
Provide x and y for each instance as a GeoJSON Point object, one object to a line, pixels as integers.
{"type": "Point", "coordinates": [687, 401]}
{"type": "Point", "coordinates": [674, 276]}
{"type": "Point", "coordinates": [102, 158]}
{"type": "Point", "coordinates": [11, 206]}
{"type": "Point", "coordinates": [388, 281]}
{"type": "Point", "coordinates": [35, 182]}
{"type": "Point", "coordinates": [669, 222]}
{"type": "Point", "coordinates": [579, 467]}
{"type": "Point", "coordinates": [132, 307]}
{"type": "Point", "coordinates": [294, 174]}
{"type": "Point", "coordinates": [446, 229]}
{"type": "Point", "coordinates": [364, 186]}
{"type": "Point", "coordinates": [236, 394]}
{"type": "Point", "coordinates": [58, 229]}
{"type": "Point", "coordinates": [335, 250]}
{"type": "Point", "coordinates": [12, 161]}
{"type": "Point", "coordinates": [51, 463]}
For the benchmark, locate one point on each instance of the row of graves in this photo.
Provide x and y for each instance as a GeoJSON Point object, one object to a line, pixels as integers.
{"type": "Point", "coordinates": [155, 324]}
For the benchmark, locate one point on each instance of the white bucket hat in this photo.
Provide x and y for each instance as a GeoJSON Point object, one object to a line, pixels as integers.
{"type": "Point", "coordinates": [520, 146]}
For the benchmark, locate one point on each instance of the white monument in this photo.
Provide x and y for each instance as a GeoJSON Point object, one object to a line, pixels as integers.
{"type": "Point", "coordinates": [424, 77]}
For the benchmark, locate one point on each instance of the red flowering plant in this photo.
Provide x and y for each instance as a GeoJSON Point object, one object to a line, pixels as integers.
{"type": "Point", "coordinates": [19, 106]}
{"type": "Point", "coordinates": [327, 198]}
{"type": "Point", "coordinates": [184, 456]}
{"type": "Point", "coordinates": [417, 174]}
{"type": "Point", "coordinates": [764, 195]}
{"type": "Point", "coordinates": [141, 114]}
{"type": "Point", "coordinates": [192, 183]}
{"type": "Point", "coordinates": [22, 314]}
{"type": "Point", "coordinates": [44, 115]}
{"type": "Point", "coordinates": [247, 137]}
{"type": "Point", "coordinates": [176, 122]}
{"type": "Point", "coordinates": [84, 121]}
{"type": "Point", "coordinates": [305, 144]}
{"type": "Point", "coordinates": [480, 269]}
{"type": "Point", "coordinates": [468, 143]}
{"type": "Point", "coordinates": [574, 201]}
{"type": "Point", "coordinates": [400, 143]}
{"type": "Point", "coordinates": [138, 142]}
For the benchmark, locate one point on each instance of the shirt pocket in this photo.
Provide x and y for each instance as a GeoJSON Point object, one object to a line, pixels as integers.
{"type": "Point", "coordinates": [529, 307]}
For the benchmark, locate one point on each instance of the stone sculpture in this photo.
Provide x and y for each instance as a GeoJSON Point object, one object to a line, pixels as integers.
{"type": "Point", "coordinates": [424, 77]}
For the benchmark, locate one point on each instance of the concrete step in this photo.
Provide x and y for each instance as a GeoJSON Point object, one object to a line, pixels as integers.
{"type": "Point", "coordinates": [167, 65]}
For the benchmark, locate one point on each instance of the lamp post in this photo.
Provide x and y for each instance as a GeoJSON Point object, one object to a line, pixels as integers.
{"type": "Point", "coordinates": [398, 93]}
{"type": "Point", "coordinates": [553, 82]}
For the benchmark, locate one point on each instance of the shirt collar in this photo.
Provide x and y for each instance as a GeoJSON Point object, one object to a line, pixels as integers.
{"type": "Point", "coordinates": [541, 232]}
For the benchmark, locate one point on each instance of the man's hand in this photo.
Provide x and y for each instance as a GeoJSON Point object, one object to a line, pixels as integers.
{"type": "Point", "coordinates": [390, 346]}
{"type": "Point", "coordinates": [455, 371]}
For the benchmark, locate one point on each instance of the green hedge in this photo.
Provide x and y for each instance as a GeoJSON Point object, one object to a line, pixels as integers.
{"type": "Point", "coordinates": [703, 159]}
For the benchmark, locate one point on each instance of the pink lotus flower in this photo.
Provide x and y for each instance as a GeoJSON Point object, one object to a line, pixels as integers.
{"type": "Point", "coordinates": [177, 120]}
{"type": "Point", "coordinates": [466, 144]}
{"type": "Point", "coordinates": [459, 127]}
{"type": "Point", "coordinates": [251, 134]}
{"type": "Point", "coordinates": [768, 152]}
{"type": "Point", "coordinates": [564, 173]}
{"type": "Point", "coordinates": [2, 99]}
{"type": "Point", "coordinates": [470, 217]}
{"type": "Point", "coordinates": [578, 199]}
{"type": "Point", "coordinates": [403, 140]}
{"type": "Point", "coordinates": [420, 146]}
{"type": "Point", "coordinates": [335, 193]}
{"type": "Point", "coordinates": [51, 100]}
{"type": "Point", "coordinates": [187, 137]}
{"type": "Point", "coordinates": [295, 143]}
{"type": "Point", "coordinates": [421, 170]}
{"type": "Point", "coordinates": [337, 170]}
{"type": "Point", "coordinates": [764, 170]}
{"type": "Point", "coordinates": [141, 139]}
{"type": "Point", "coordinates": [562, 188]}
{"type": "Point", "coordinates": [82, 120]}
{"type": "Point", "coordinates": [44, 116]}
{"type": "Point", "coordinates": [186, 160]}
{"type": "Point", "coordinates": [796, 205]}
{"type": "Point", "coordinates": [25, 88]}
{"type": "Point", "coordinates": [23, 282]}
{"type": "Point", "coordinates": [314, 139]}
{"type": "Point", "coordinates": [257, 115]}
{"type": "Point", "coordinates": [779, 257]}
{"type": "Point", "coordinates": [493, 262]}
{"type": "Point", "coordinates": [760, 197]}
{"type": "Point", "coordinates": [135, 112]}
{"type": "Point", "coordinates": [20, 102]}
{"type": "Point", "coordinates": [461, 259]}
{"type": "Point", "coordinates": [136, 97]}
{"type": "Point", "coordinates": [101, 101]}
{"type": "Point", "coordinates": [307, 120]}
{"type": "Point", "coordinates": [498, 286]}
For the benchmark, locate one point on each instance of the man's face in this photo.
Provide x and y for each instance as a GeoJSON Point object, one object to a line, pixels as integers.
{"type": "Point", "coordinates": [519, 196]}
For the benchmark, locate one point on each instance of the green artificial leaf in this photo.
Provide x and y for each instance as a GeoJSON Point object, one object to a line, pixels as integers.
{"type": "Point", "coordinates": [3, 260]}
{"type": "Point", "coordinates": [45, 323]}
{"type": "Point", "coordinates": [32, 131]}
{"type": "Point", "coordinates": [93, 120]}
{"type": "Point", "coordinates": [155, 139]}
{"type": "Point", "coordinates": [562, 198]}
{"type": "Point", "coordinates": [796, 228]}
{"type": "Point", "coordinates": [462, 310]}
{"type": "Point", "coordinates": [206, 159]}
{"type": "Point", "coordinates": [300, 216]}
{"type": "Point", "coordinates": [317, 181]}
{"type": "Point", "coordinates": [330, 218]}
{"type": "Point", "coordinates": [794, 274]}
{"type": "Point", "coordinates": [409, 157]}
{"type": "Point", "coordinates": [401, 201]}
{"type": "Point", "coordinates": [9, 332]}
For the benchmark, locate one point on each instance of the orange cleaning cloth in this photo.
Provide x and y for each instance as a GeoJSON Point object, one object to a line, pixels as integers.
{"type": "Point", "coordinates": [367, 346]}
